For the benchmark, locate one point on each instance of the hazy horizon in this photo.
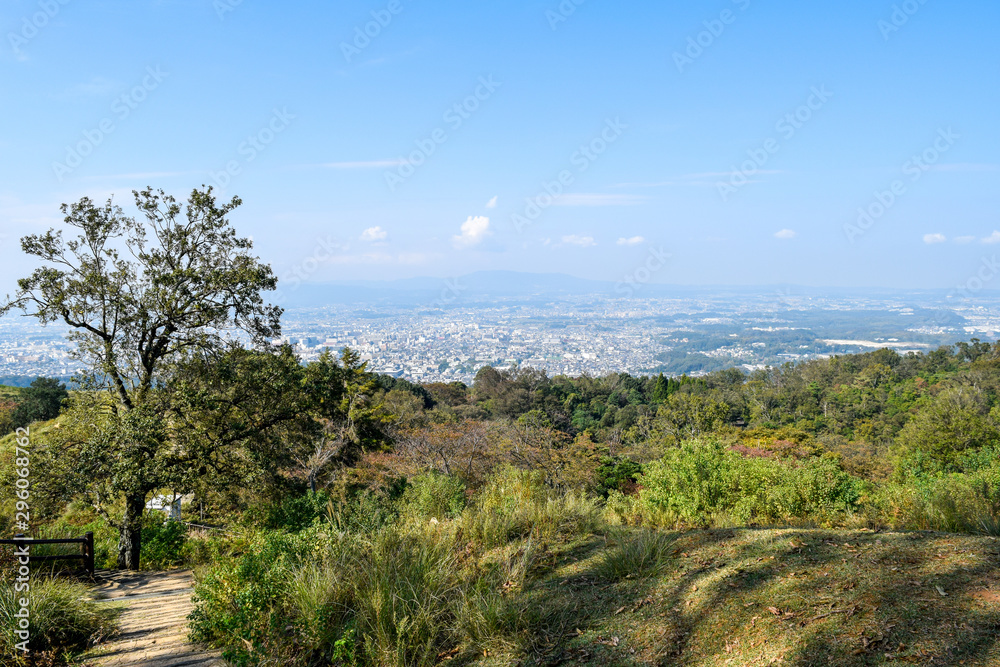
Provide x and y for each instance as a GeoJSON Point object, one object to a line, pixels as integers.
{"type": "Point", "coordinates": [563, 274]}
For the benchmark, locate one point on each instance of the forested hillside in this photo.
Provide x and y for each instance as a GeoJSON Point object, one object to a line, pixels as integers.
{"type": "Point", "coordinates": [517, 463]}
{"type": "Point", "coordinates": [872, 412]}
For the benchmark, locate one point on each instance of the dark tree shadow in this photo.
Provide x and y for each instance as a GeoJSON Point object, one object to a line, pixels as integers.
{"type": "Point", "coordinates": [896, 612]}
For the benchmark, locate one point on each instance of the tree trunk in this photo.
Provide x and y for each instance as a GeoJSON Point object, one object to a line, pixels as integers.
{"type": "Point", "coordinates": [130, 534]}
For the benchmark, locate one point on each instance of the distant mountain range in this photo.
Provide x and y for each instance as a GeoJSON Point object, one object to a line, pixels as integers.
{"type": "Point", "coordinates": [484, 285]}
{"type": "Point", "coordinates": [443, 291]}
{"type": "Point", "coordinates": [510, 283]}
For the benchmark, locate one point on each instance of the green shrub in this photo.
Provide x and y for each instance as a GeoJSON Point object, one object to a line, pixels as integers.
{"type": "Point", "coordinates": [296, 513]}
{"type": "Point", "coordinates": [240, 603]}
{"type": "Point", "coordinates": [366, 512]}
{"type": "Point", "coordinates": [162, 543]}
{"type": "Point", "coordinates": [62, 621]}
{"type": "Point", "coordinates": [617, 473]}
{"type": "Point", "coordinates": [433, 495]}
{"type": "Point", "coordinates": [703, 479]}
{"type": "Point", "coordinates": [204, 547]}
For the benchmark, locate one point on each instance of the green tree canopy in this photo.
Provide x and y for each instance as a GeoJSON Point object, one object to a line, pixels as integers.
{"type": "Point", "coordinates": [139, 295]}
{"type": "Point", "coordinates": [40, 402]}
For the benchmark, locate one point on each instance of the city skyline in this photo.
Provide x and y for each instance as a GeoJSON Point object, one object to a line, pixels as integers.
{"type": "Point", "coordinates": [451, 337]}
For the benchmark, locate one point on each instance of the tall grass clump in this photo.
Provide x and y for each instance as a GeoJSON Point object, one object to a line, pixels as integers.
{"type": "Point", "coordinates": [400, 597]}
{"type": "Point", "coordinates": [433, 495]}
{"type": "Point", "coordinates": [516, 504]}
{"type": "Point", "coordinates": [638, 554]}
{"type": "Point", "coordinates": [403, 594]}
{"type": "Point", "coordinates": [319, 599]}
{"type": "Point", "coordinates": [62, 621]}
{"type": "Point", "coordinates": [957, 503]}
{"type": "Point", "coordinates": [365, 512]}
{"type": "Point", "coordinates": [623, 510]}
{"type": "Point", "coordinates": [490, 611]}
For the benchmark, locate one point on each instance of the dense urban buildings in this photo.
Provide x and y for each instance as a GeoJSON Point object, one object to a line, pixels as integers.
{"type": "Point", "coordinates": [587, 335]}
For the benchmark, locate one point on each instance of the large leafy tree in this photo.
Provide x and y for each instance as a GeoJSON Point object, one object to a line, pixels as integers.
{"type": "Point", "coordinates": [237, 416]}
{"type": "Point", "coordinates": [957, 420]}
{"type": "Point", "coordinates": [140, 294]}
{"type": "Point", "coordinates": [41, 401]}
{"type": "Point", "coordinates": [685, 416]}
{"type": "Point", "coordinates": [462, 448]}
{"type": "Point", "coordinates": [346, 415]}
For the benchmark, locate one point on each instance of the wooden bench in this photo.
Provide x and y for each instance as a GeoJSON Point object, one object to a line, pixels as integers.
{"type": "Point", "coordinates": [86, 555]}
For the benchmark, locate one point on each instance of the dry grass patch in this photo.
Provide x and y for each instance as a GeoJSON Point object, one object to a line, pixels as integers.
{"type": "Point", "coordinates": [792, 597]}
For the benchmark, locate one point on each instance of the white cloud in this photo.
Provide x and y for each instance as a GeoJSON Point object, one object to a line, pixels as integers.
{"type": "Point", "coordinates": [474, 230]}
{"type": "Point", "coordinates": [635, 240]}
{"type": "Point", "coordinates": [965, 167]}
{"type": "Point", "coordinates": [931, 239]}
{"type": "Point", "coordinates": [96, 87]}
{"type": "Point", "coordinates": [582, 241]}
{"type": "Point", "coordinates": [492, 203]}
{"type": "Point", "coordinates": [964, 239]}
{"type": "Point", "coordinates": [142, 176]}
{"type": "Point", "coordinates": [370, 164]}
{"type": "Point", "coordinates": [383, 258]}
{"type": "Point", "coordinates": [992, 238]}
{"type": "Point", "coordinates": [786, 234]}
{"type": "Point", "coordinates": [708, 179]}
{"type": "Point", "coordinates": [598, 200]}
{"type": "Point", "coordinates": [374, 234]}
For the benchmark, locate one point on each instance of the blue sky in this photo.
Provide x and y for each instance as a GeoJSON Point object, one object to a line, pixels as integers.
{"type": "Point", "coordinates": [741, 137]}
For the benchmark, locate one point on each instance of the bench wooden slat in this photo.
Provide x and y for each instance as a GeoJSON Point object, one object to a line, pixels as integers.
{"type": "Point", "coordinates": [87, 542]}
{"type": "Point", "coordinates": [75, 540]}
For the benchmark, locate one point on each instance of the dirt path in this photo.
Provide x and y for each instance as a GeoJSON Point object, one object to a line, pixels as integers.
{"type": "Point", "coordinates": [154, 623]}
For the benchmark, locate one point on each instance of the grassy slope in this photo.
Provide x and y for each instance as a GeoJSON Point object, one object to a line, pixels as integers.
{"type": "Point", "coordinates": [38, 431]}
{"type": "Point", "coordinates": [841, 597]}
{"type": "Point", "coordinates": [793, 597]}
{"type": "Point", "coordinates": [9, 393]}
